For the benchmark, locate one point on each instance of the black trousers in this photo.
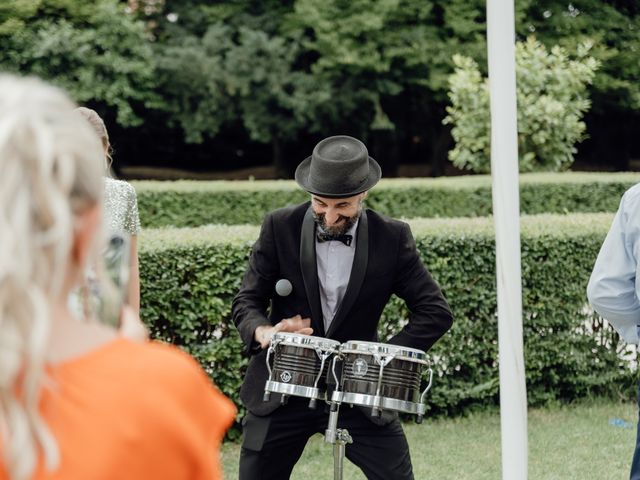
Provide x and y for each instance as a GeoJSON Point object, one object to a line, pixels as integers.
{"type": "Point", "coordinates": [635, 463]}
{"type": "Point", "coordinates": [273, 444]}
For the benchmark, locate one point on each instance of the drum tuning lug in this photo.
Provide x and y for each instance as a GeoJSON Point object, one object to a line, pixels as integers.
{"type": "Point", "coordinates": [419, 419]}
{"type": "Point", "coordinates": [312, 404]}
{"type": "Point", "coordinates": [266, 397]}
{"type": "Point", "coordinates": [375, 412]}
{"type": "Point", "coordinates": [284, 399]}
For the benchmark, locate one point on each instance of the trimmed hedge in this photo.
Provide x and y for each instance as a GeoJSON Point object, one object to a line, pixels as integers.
{"type": "Point", "coordinates": [196, 203]}
{"type": "Point", "coordinates": [189, 277]}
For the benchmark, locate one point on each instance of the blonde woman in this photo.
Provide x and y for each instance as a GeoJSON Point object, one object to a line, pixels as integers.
{"type": "Point", "coordinates": [77, 400]}
{"type": "Point", "coordinates": [120, 206]}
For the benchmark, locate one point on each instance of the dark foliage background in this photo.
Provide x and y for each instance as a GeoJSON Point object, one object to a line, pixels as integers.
{"type": "Point", "coordinates": [231, 84]}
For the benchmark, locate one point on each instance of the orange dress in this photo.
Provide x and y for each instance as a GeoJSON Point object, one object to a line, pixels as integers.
{"type": "Point", "coordinates": [134, 411]}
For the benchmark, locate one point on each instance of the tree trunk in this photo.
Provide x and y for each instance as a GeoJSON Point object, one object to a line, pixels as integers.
{"type": "Point", "coordinates": [278, 159]}
{"type": "Point", "coordinates": [384, 150]}
{"type": "Point", "coordinates": [439, 153]}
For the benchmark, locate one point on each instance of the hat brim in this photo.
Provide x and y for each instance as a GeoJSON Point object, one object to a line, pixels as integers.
{"type": "Point", "coordinates": [302, 178]}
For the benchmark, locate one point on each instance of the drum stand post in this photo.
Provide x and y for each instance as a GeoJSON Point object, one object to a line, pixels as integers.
{"type": "Point", "coordinates": [339, 437]}
{"type": "Point", "coordinates": [342, 438]}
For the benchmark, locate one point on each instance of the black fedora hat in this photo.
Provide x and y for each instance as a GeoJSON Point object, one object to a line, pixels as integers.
{"type": "Point", "coordinates": [339, 167]}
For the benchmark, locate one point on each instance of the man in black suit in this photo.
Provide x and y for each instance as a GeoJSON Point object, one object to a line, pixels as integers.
{"type": "Point", "coordinates": [343, 263]}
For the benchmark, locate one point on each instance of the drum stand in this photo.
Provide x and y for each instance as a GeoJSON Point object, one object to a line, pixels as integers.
{"type": "Point", "coordinates": [339, 437]}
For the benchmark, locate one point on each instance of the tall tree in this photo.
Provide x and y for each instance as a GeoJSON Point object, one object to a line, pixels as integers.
{"type": "Point", "coordinates": [243, 76]}
{"type": "Point", "coordinates": [370, 50]}
{"type": "Point", "coordinates": [614, 28]}
{"type": "Point", "coordinates": [96, 51]}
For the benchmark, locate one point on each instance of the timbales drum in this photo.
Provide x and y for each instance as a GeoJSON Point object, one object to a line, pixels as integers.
{"type": "Point", "coordinates": [383, 377]}
{"type": "Point", "coordinates": [300, 365]}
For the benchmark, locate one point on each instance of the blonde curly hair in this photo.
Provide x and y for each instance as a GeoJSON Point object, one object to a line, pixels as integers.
{"type": "Point", "coordinates": [99, 127]}
{"type": "Point", "coordinates": [52, 169]}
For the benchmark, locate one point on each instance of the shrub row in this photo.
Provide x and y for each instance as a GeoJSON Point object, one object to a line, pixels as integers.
{"type": "Point", "coordinates": [196, 203]}
{"type": "Point", "coordinates": [189, 277]}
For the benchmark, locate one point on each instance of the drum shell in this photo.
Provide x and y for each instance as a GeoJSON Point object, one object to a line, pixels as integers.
{"type": "Point", "coordinates": [400, 380]}
{"type": "Point", "coordinates": [298, 365]}
{"type": "Point", "coordinates": [294, 362]}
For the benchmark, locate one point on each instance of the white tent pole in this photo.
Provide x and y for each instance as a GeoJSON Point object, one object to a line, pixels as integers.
{"type": "Point", "coordinates": [506, 212]}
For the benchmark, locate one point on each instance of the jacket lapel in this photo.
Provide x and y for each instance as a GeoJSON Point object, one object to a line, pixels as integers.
{"type": "Point", "coordinates": [358, 271]}
{"type": "Point", "coordinates": [309, 269]}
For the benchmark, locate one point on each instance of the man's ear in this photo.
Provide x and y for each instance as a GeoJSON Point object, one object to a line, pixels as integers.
{"type": "Point", "coordinates": [364, 194]}
{"type": "Point", "coordinates": [86, 226]}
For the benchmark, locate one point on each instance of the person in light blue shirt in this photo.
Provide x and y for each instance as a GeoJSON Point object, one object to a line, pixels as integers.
{"type": "Point", "coordinates": [613, 289]}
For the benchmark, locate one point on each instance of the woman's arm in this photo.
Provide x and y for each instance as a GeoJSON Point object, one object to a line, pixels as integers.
{"type": "Point", "coordinates": [134, 277]}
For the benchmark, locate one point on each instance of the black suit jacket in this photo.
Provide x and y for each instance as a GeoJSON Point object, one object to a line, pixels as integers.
{"type": "Point", "coordinates": [386, 262]}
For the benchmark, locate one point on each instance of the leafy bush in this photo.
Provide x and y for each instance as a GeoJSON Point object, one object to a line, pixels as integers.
{"type": "Point", "coordinates": [192, 203]}
{"type": "Point", "coordinates": [189, 277]}
{"type": "Point", "coordinates": [552, 98]}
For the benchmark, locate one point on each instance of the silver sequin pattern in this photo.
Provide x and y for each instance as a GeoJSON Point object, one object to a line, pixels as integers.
{"type": "Point", "coordinates": [121, 207]}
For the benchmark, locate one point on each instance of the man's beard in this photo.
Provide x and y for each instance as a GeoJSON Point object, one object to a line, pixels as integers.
{"type": "Point", "coordinates": [343, 225]}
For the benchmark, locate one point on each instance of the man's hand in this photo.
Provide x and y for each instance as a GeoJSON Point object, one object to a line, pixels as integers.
{"type": "Point", "coordinates": [295, 324]}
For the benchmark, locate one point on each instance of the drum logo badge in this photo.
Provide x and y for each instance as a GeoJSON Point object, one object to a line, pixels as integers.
{"type": "Point", "coordinates": [285, 376]}
{"type": "Point", "coordinates": [360, 367]}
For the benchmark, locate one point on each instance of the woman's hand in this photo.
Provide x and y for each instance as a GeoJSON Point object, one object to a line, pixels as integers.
{"type": "Point", "coordinates": [131, 327]}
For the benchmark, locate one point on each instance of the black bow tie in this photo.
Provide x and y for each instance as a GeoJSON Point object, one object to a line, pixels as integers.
{"type": "Point", "coordinates": [325, 237]}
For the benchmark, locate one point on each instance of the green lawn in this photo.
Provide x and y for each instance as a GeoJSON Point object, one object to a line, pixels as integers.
{"type": "Point", "coordinates": [565, 443]}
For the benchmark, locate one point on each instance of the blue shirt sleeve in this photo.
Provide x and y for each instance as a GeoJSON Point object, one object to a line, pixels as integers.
{"type": "Point", "coordinates": [612, 289]}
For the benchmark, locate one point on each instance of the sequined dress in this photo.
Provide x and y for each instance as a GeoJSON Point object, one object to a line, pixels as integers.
{"type": "Point", "coordinates": [120, 216]}
{"type": "Point", "coordinates": [120, 207]}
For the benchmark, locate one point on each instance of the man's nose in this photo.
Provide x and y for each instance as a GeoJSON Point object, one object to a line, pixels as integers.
{"type": "Point", "coordinates": [331, 217]}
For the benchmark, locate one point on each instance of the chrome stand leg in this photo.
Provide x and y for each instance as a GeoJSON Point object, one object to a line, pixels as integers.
{"type": "Point", "coordinates": [342, 439]}
{"type": "Point", "coordinates": [339, 437]}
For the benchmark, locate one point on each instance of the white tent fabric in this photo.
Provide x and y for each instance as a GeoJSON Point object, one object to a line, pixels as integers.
{"type": "Point", "coordinates": [506, 212]}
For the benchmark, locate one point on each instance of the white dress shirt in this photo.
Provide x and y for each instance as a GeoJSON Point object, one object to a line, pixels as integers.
{"type": "Point", "coordinates": [613, 288]}
{"type": "Point", "coordinates": [334, 260]}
